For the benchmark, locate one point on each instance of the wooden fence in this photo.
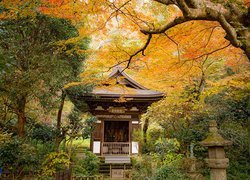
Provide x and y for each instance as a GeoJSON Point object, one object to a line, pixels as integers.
{"type": "Point", "coordinates": [87, 178]}
{"type": "Point", "coordinates": [63, 175]}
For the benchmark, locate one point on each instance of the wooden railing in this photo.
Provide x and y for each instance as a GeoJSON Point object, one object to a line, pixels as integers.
{"type": "Point", "coordinates": [116, 148]}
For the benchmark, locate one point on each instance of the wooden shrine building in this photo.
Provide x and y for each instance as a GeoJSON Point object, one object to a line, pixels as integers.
{"type": "Point", "coordinates": [118, 108]}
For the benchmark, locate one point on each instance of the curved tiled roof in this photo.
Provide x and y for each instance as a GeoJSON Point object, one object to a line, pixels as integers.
{"type": "Point", "coordinates": [125, 86]}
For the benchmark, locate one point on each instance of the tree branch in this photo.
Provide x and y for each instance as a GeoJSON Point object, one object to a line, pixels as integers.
{"type": "Point", "coordinates": [177, 45]}
{"type": "Point", "coordinates": [166, 2]}
{"type": "Point", "coordinates": [211, 13]}
{"type": "Point", "coordinates": [142, 50]}
{"type": "Point", "coordinates": [211, 52]}
{"type": "Point", "coordinates": [210, 35]}
{"type": "Point", "coordinates": [177, 21]}
{"type": "Point", "coordinates": [231, 33]}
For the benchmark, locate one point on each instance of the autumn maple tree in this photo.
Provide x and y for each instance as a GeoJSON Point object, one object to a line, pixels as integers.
{"type": "Point", "coordinates": [185, 36]}
{"type": "Point", "coordinates": [232, 16]}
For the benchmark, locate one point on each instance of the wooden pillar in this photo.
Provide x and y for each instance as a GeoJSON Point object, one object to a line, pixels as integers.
{"type": "Point", "coordinates": [130, 137]}
{"type": "Point", "coordinates": [102, 135]}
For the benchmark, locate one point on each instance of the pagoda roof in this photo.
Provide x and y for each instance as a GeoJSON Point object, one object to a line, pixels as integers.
{"type": "Point", "coordinates": [125, 86]}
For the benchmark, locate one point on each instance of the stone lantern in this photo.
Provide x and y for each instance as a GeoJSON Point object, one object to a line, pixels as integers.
{"type": "Point", "coordinates": [217, 161]}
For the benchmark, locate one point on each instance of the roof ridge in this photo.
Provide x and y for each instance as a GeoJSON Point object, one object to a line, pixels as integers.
{"type": "Point", "coordinates": [119, 69]}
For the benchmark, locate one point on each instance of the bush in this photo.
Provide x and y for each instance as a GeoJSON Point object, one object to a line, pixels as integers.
{"type": "Point", "coordinates": [169, 173]}
{"type": "Point", "coordinates": [87, 165]}
{"type": "Point", "coordinates": [18, 156]}
{"type": "Point", "coordinates": [143, 167]}
{"type": "Point", "coordinates": [163, 163]}
{"type": "Point", "coordinates": [43, 132]}
{"type": "Point", "coordinates": [54, 162]}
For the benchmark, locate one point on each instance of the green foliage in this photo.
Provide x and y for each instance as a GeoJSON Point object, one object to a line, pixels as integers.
{"type": "Point", "coordinates": [86, 165]}
{"type": "Point", "coordinates": [143, 167]}
{"type": "Point", "coordinates": [75, 124]}
{"type": "Point", "coordinates": [42, 132]}
{"type": "Point", "coordinates": [18, 156]}
{"type": "Point", "coordinates": [89, 127]}
{"type": "Point", "coordinates": [4, 137]}
{"type": "Point", "coordinates": [149, 167]}
{"type": "Point", "coordinates": [77, 90]}
{"type": "Point", "coordinates": [9, 152]}
{"type": "Point", "coordinates": [187, 121]}
{"type": "Point", "coordinates": [224, 106]}
{"type": "Point", "coordinates": [28, 45]}
{"type": "Point", "coordinates": [178, 118]}
{"type": "Point", "coordinates": [163, 163]}
{"type": "Point", "coordinates": [54, 161]}
{"type": "Point", "coordinates": [37, 60]}
{"type": "Point", "coordinates": [78, 125]}
{"type": "Point", "coordinates": [232, 114]}
{"type": "Point", "coordinates": [165, 148]}
{"type": "Point", "coordinates": [42, 148]}
{"type": "Point", "coordinates": [175, 113]}
{"type": "Point", "coordinates": [169, 173]}
{"type": "Point", "coordinates": [153, 134]}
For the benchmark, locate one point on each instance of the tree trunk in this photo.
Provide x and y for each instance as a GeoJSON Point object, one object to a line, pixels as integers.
{"type": "Point", "coordinates": [200, 87]}
{"type": "Point", "coordinates": [60, 134]}
{"type": "Point", "coordinates": [21, 117]}
{"type": "Point", "coordinates": [145, 128]}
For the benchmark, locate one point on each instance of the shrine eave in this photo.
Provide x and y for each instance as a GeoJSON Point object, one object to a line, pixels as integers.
{"type": "Point", "coordinates": [103, 97]}
{"type": "Point", "coordinates": [115, 97]}
{"type": "Point", "coordinates": [135, 93]}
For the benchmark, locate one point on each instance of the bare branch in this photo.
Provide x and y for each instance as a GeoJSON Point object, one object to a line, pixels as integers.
{"type": "Point", "coordinates": [210, 35]}
{"type": "Point", "coordinates": [134, 18]}
{"type": "Point", "coordinates": [203, 55]}
{"type": "Point", "coordinates": [112, 14]}
{"type": "Point", "coordinates": [141, 50]}
{"type": "Point", "coordinates": [177, 45]}
{"type": "Point", "coordinates": [211, 52]}
{"type": "Point", "coordinates": [178, 20]}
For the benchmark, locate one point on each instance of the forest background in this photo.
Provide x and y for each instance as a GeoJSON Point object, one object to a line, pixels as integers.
{"type": "Point", "coordinates": [196, 52]}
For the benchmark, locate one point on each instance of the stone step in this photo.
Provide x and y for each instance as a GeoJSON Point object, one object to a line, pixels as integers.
{"type": "Point", "coordinates": [117, 159]}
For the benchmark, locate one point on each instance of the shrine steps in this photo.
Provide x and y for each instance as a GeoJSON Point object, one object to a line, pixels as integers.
{"type": "Point", "coordinates": [117, 159]}
{"type": "Point", "coordinates": [105, 168]}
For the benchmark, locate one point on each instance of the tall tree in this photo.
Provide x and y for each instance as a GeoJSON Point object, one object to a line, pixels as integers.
{"type": "Point", "coordinates": [36, 61]}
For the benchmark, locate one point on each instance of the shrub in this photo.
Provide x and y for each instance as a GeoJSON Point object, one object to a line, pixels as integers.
{"type": "Point", "coordinates": [143, 167]}
{"type": "Point", "coordinates": [54, 162]}
{"type": "Point", "coordinates": [18, 156]}
{"type": "Point", "coordinates": [169, 173]}
{"type": "Point", "coordinates": [43, 132]}
{"type": "Point", "coordinates": [87, 165]}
